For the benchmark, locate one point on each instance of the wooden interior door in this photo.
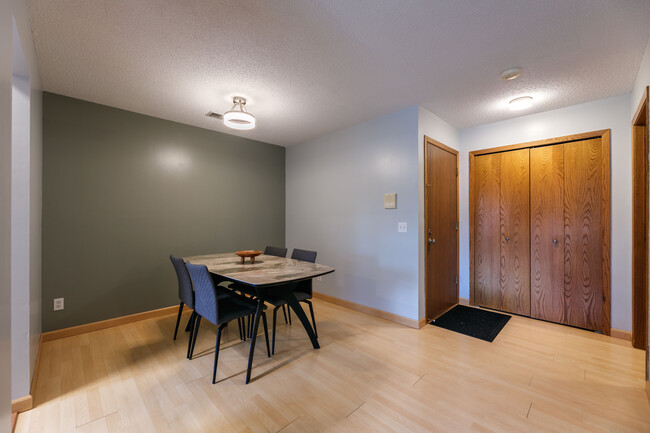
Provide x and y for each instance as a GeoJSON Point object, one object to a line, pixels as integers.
{"type": "Point", "coordinates": [514, 273]}
{"type": "Point", "coordinates": [441, 216]}
{"type": "Point", "coordinates": [640, 225]}
{"type": "Point", "coordinates": [486, 171]}
{"type": "Point", "coordinates": [583, 240]}
{"type": "Point", "coordinates": [547, 233]}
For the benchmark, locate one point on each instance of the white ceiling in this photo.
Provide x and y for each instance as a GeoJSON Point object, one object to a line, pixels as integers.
{"type": "Point", "coordinates": [312, 67]}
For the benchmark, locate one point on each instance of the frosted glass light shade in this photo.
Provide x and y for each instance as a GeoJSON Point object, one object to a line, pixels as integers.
{"type": "Point", "coordinates": [236, 119]}
{"type": "Point", "coordinates": [521, 103]}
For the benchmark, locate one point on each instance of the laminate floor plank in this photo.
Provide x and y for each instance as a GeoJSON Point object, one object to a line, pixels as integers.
{"type": "Point", "coordinates": [370, 375]}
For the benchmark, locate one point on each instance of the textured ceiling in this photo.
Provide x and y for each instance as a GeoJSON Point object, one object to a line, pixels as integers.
{"type": "Point", "coordinates": [312, 67]}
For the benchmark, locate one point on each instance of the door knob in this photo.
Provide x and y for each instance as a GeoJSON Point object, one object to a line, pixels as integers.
{"type": "Point", "coordinates": [431, 241]}
{"type": "Point", "coordinates": [507, 238]}
{"type": "Point", "coordinates": [555, 241]}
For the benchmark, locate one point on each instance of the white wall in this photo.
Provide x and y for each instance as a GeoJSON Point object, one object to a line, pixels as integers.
{"type": "Point", "coordinates": [433, 127]}
{"type": "Point", "coordinates": [642, 79]}
{"type": "Point", "coordinates": [612, 113]}
{"type": "Point", "coordinates": [335, 186]}
{"type": "Point", "coordinates": [20, 166]}
{"type": "Point", "coordinates": [5, 215]}
{"type": "Point", "coordinates": [15, 11]}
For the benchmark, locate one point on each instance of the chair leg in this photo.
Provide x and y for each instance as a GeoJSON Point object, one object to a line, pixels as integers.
{"type": "Point", "coordinates": [275, 315]}
{"type": "Point", "coordinates": [189, 340]}
{"type": "Point", "coordinates": [241, 334]}
{"type": "Point", "coordinates": [250, 327]}
{"type": "Point", "coordinates": [284, 310]}
{"type": "Point", "coordinates": [197, 323]}
{"type": "Point", "coordinates": [266, 334]}
{"type": "Point", "coordinates": [313, 320]}
{"type": "Point", "coordinates": [188, 327]}
{"type": "Point", "coordinates": [216, 353]}
{"type": "Point", "coordinates": [289, 314]}
{"type": "Point", "coordinates": [178, 319]}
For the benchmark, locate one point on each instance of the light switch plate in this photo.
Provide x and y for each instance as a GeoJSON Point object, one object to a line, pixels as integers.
{"type": "Point", "coordinates": [58, 304]}
{"type": "Point", "coordinates": [390, 201]}
{"type": "Point", "coordinates": [401, 227]}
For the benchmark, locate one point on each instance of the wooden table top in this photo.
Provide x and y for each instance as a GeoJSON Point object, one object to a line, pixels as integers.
{"type": "Point", "coordinates": [266, 271]}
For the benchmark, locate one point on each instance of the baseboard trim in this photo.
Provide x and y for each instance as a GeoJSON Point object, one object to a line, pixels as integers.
{"type": "Point", "coordinates": [37, 367]}
{"type": "Point", "coordinates": [22, 404]}
{"type": "Point", "coordinates": [423, 322]}
{"type": "Point", "coordinates": [411, 323]}
{"type": "Point", "coordinates": [619, 333]}
{"type": "Point", "coordinates": [463, 301]}
{"type": "Point", "coordinates": [109, 323]}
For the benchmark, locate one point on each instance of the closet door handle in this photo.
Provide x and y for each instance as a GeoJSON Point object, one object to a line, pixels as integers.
{"type": "Point", "coordinates": [554, 241]}
{"type": "Point", "coordinates": [507, 238]}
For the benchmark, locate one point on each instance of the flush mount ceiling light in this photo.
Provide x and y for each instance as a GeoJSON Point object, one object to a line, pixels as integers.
{"type": "Point", "coordinates": [521, 103]}
{"type": "Point", "coordinates": [238, 117]}
{"type": "Point", "coordinates": [511, 73]}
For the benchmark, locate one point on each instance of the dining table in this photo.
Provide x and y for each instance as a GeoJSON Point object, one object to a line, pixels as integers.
{"type": "Point", "coordinates": [270, 277]}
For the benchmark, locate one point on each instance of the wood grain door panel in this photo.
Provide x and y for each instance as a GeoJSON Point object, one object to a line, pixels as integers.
{"type": "Point", "coordinates": [514, 270]}
{"type": "Point", "coordinates": [547, 233]}
{"type": "Point", "coordinates": [442, 254]}
{"type": "Point", "coordinates": [583, 242]}
{"type": "Point", "coordinates": [487, 231]}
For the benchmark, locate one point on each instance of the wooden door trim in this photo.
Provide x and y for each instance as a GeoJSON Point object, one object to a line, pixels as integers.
{"type": "Point", "coordinates": [538, 143]}
{"type": "Point", "coordinates": [429, 140]}
{"type": "Point", "coordinates": [604, 135]}
{"type": "Point", "coordinates": [640, 223]}
{"type": "Point", "coordinates": [606, 218]}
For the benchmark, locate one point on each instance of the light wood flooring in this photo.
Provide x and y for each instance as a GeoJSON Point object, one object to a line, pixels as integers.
{"type": "Point", "coordinates": [370, 375]}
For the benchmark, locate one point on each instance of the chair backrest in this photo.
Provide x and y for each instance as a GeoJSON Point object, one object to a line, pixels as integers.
{"type": "Point", "coordinates": [275, 251]}
{"type": "Point", "coordinates": [185, 291]}
{"type": "Point", "coordinates": [304, 255]}
{"type": "Point", "coordinates": [205, 293]}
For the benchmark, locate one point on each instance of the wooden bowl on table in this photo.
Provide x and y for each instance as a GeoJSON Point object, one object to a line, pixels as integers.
{"type": "Point", "coordinates": [248, 253]}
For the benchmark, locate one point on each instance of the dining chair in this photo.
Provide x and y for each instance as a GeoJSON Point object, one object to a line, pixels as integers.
{"type": "Point", "coordinates": [186, 296]}
{"type": "Point", "coordinates": [303, 293]}
{"type": "Point", "coordinates": [244, 289]}
{"type": "Point", "coordinates": [275, 251]}
{"type": "Point", "coordinates": [219, 306]}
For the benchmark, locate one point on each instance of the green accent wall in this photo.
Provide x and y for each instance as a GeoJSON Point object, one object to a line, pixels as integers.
{"type": "Point", "coordinates": [122, 191]}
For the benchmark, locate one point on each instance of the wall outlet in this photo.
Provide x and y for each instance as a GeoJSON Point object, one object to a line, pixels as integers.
{"type": "Point", "coordinates": [401, 227]}
{"type": "Point", "coordinates": [58, 304]}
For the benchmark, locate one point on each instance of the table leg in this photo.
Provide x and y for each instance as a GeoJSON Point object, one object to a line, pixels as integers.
{"type": "Point", "coordinates": [290, 297]}
{"type": "Point", "coordinates": [256, 323]}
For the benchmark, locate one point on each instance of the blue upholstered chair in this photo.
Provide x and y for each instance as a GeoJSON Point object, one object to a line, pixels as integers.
{"type": "Point", "coordinates": [218, 307]}
{"type": "Point", "coordinates": [275, 251]}
{"type": "Point", "coordinates": [185, 294]}
{"type": "Point", "coordinates": [244, 289]}
{"type": "Point", "coordinates": [303, 293]}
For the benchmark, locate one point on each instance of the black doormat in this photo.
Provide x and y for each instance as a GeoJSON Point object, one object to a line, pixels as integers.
{"type": "Point", "coordinates": [474, 322]}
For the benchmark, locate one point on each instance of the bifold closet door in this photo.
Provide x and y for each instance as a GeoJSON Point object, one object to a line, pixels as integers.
{"type": "Point", "coordinates": [583, 233]}
{"type": "Point", "coordinates": [547, 233]}
{"type": "Point", "coordinates": [487, 238]}
{"type": "Point", "coordinates": [502, 231]}
{"type": "Point", "coordinates": [515, 231]}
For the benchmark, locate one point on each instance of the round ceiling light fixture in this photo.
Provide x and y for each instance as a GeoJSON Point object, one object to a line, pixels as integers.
{"type": "Point", "coordinates": [238, 117]}
{"type": "Point", "coordinates": [511, 73]}
{"type": "Point", "coordinates": [521, 103]}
